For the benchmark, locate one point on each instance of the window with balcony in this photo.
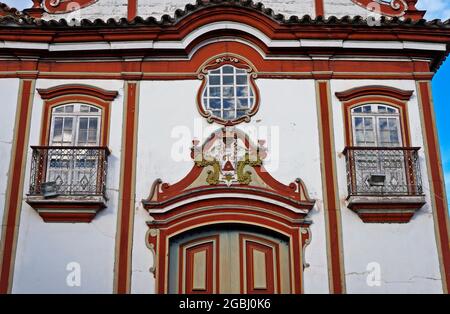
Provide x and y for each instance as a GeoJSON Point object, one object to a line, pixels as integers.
{"type": "Point", "coordinates": [383, 170]}
{"type": "Point", "coordinates": [69, 168]}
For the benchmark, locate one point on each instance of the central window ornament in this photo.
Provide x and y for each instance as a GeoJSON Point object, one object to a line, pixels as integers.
{"type": "Point", "coordinates": [228, 94]}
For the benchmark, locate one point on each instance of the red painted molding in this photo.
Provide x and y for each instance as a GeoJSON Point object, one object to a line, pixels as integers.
{"type": "Point", "coordinates": [380, 210]}
{"type": "Point", "coordinates": [435, 172]}
{"type": "Point", "coordinates": [77, 89]}
{"type": "Point", "coordinates": [58, 213]}
{"type": "Point", "coordinates": [179, 29]}
{"type": "Point", "coordinates": [122, 279]}
{"type": "Point", "coordinates": [375, 90]}
{"type": "Point", "coordinates": [319, 7]}
{"type": "Point", "coordinates": [331, 196]}
{"type": "Point", "coordinates": [131, 9]}
{"type": "Point", "coordinates": [63, 94]}
{"type": "Point", "coordinates": [14, 193]}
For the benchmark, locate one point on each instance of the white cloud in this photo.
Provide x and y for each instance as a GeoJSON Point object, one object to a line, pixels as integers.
{"type": "Point", "coordinates": [436, 9]}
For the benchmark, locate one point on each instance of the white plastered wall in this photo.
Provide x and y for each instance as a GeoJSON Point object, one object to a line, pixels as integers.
{"type": "Point", "coordinates": [45, 249]}
{"type": "Point", "coordinates": [406, 253]}
{"type": "Point", "coordinates": [168, 116]}
{"type": "Point", "coordinates": [117, 9]}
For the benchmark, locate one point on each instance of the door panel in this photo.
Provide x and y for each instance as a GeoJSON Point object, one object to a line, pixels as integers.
{"type": "Point", "coordinates": [198, 266]}
{"type": "Point", "coordinates": [229, 261]}
{"type": "Point", "coordinates": [259, 268]}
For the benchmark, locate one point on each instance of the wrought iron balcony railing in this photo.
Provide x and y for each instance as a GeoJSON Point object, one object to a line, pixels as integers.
{"type": "Point", "coordinates": [386, 171]}
{"type": "Point", "coordinates": [70, 171]}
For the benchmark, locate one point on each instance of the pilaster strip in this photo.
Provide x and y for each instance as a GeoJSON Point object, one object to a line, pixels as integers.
{"type": "Point", "coordinates": [331, 202]}
{"type": "Point", "coordinates": [436, 180]}
{"type": "Point", "coordinates": [125, 215]}
{"type": "Point", "coordinates": [14, 192]}
{"type": "Point", "coordinates": [319, 7]}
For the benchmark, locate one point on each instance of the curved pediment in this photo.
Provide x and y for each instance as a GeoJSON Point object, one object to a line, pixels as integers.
{"type": "Point", "coordinates": [228, 165]}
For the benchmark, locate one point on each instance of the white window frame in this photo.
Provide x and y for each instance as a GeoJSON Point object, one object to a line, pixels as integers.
{"type": "Point", "coordinates": [76, 115]}
{"type": "Point", "coordinates": [375, 115]}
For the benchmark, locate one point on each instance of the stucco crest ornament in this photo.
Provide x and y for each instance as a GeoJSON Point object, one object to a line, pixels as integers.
{"type": "Point", "coordinates": [65, 6]}
{"type": "Point", "coordinates": [228, 156]}
{"type": "Point", "coordinates": [389, 8]}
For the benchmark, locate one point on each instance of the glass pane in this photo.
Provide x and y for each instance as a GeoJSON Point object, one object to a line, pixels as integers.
{"type": "Point", "coordinates": [228, 92]}
{"type": "Point", "coordinates": [214, 92]}
{"type": "Point", "coordinates": [367, 109]}
{"type": "Point", "coordinates": [58, 109]}
{"type": "Point", "coordinates": [241, 113]}
{"type": "Point", "coordinates": [82, 136]}
{"type": "Point", "coordinates": [228, 103]}
{"type": "Point", "coordinates": [215, 71]}
{"type": "Point", "coordinates": [368, 123]}
{"type": "Point", "coordinates": [241, 80]}
{"type": "Point", "coordinates": [383, 125]}
{"type": "Point", "coordinates": [370, 137]}
{"type": "Point", "coordinates": [382, 109]}
{"type": "Point", "coordinates": [67, 133]}
{"type": "Point", "coordinates": [68, 108]}
{"type": "Point", "coordinates": [228, 115]}
{"type": "Point", "coordinates": [358, 109]}
{"type": "Point", "coordinates": [242, 91]}
{"type": "Point", "coordinates": [93, 124]}
{"type": "Point", "coordinates": [241, 71]}
{"type": "Point", "coordinates": [359, 136]}
{"type": "Point", "coordinates": [93, 128]}
{"type": "Point", "coordinates": [84, 108]}
{"type": "Point", "coordinates": [217, 114]}
{"type": "Point", "coordinates": [358, 123]}
{"type": "Point", "coordinates": [394, 137]}
{"type": "Point", "coordinates": [93, 109]}
{"type": "Point", "coordinates": [391, 110]}
{"type": "Point", "coordinates": [83, 123]}
{"type": "Point", "coordinates": [385, 136]}
{"type": "Point", "coordinates": [242, 103]}
{"type": "Point", "coordinates": [214, 80]}
{"type": "Point", "coordinates": [57, 129]}
{"type": "Point", "coordinates": [228, 80]}
{"type": "Point", "coordinates": [214, 103]}
{"type": "Point", "coordinates": [228, 69]}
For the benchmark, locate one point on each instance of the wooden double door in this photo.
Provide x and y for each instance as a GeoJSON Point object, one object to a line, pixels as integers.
{"type": "Point", "coordinates": [230, 259]}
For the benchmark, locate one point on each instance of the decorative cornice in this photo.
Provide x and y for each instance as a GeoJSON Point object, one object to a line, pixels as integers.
{"type": "Point", "coordinates": [167, 20]}
{"type": "Point", "coordinates": [77, 89]}
{"type": "Point", "coordinates": [362, 91]}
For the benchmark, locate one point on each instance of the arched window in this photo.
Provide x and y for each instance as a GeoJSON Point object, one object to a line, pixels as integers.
{"type": "Point", "coordinates": [75, 124]}
{"type": "Point", "coordinates": [376, 125]}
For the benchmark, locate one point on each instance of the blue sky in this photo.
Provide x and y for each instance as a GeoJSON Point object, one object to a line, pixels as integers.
{"type": "Point", "coordinates": [441, 82]}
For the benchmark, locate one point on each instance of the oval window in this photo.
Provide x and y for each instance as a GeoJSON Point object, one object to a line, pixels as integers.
{"type": "Point", "coordinates": [228, 95]}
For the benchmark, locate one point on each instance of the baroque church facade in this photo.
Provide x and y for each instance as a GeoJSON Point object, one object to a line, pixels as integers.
{"type": "Point", "coordinates": [221, 146]}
